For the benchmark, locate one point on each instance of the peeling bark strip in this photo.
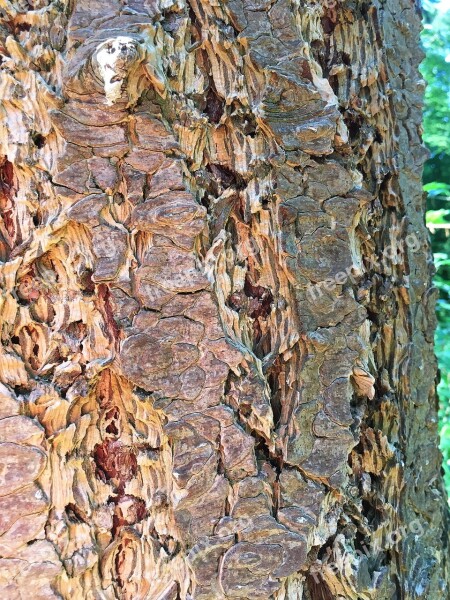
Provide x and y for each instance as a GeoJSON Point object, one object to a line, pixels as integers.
{"type": "Point", "coordinates": [180, 417]}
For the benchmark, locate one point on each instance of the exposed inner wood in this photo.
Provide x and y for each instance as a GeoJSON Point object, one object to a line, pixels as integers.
{"type": "Point", "coordinates": [216, 370]}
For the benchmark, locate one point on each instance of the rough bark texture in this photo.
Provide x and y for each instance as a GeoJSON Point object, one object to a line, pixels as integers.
{"type": "Point", "coordinates": [182, 415]}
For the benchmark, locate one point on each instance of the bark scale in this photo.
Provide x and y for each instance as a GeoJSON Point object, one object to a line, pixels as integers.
{"type": "Point", "coordinates": [217, 370]}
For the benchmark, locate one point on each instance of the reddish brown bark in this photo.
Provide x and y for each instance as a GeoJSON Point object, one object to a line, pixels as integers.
{"type": "Point", "coordinates": [217, 371]}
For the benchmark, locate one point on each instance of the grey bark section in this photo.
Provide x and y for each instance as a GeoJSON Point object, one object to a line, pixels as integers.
{"type": "Point", "coordinates": [217, 371]}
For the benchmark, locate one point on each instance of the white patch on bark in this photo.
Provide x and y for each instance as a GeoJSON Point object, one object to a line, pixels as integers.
{"type": "Point", "coordinates": [114, 58]}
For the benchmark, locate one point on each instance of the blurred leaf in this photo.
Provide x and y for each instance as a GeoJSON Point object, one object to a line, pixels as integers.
{"type": "Point", "coordinates": [436, 189]}
{"type": "Point", "coordinates": [437, 217]}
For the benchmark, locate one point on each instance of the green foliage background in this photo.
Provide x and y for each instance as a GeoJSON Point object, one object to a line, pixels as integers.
{"type": "Point", "coordinates": [436, 71]}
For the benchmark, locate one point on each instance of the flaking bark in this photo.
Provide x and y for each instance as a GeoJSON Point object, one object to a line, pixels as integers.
{"type": "Point", "coordinates": [216, 370]}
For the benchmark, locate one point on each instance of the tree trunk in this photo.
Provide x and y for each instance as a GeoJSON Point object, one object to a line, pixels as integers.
{"type": "Point", "coordinates": [217, 371]}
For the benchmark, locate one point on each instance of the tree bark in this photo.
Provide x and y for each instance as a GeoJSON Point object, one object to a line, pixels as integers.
{"type": "Point", "coordinates": [217, 370]}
